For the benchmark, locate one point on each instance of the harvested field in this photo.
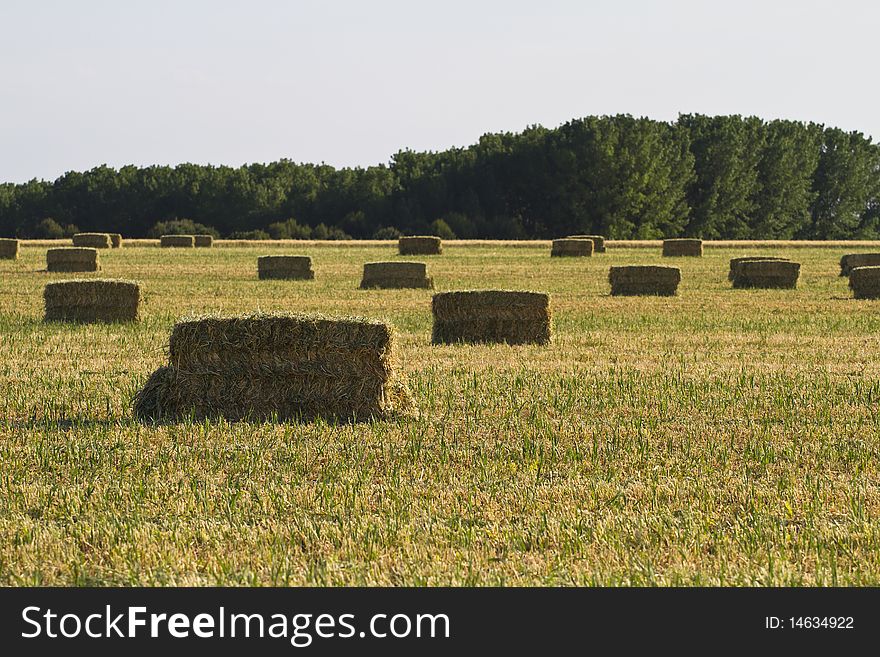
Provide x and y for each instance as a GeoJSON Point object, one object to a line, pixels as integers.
{"type": "Point", "coordinates": [644, 280]}
{"type": "Point", "coordinates": [683, 247]}
{"type": "Point", "coordinates": [865, 282]}
{"type": "Point", "coordinates": [91, 300]}
{"type": "Point", "coordinates": [491, 316]}
{"type": "Point", "coordinates": [396, 275]}
{"type": "Point", "coordinates": [93, 240]}
{"type": "Point", "coordinates": [420, 245]}
{"type": "Point", "coordinates": [767, 274]}
{"type": "Point", "coordinates": [8, 249]}
{"type": "Point", "coordinates": [177, 241]}
{"type": "Point", "coordinates": [285, 267]}
{"type": "Point", "coordinates": [572, 247]}
{"type": "Point", "coordinates": [72, 259]}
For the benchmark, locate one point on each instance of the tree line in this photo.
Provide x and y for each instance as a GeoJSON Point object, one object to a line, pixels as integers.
{"type": "Point", "coordinates": [716, 177]}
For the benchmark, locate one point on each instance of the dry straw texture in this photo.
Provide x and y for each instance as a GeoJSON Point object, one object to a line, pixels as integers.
{"type": "Point", "coordinates": [204, 241]}
{"type": "Point", "coordinates": [116, 240]}
{"type": "Point", "coordinates": [683, 247]}
{"type": "Point", "coordinates": [782, 274]}
{"type": "Point", "coordinates": [396, 275]}
{"type": "Point", "coordinates": [290, 267]}
{"type": "Point", "coordinates": [72, 258]}
{"type": "Point", "coordinates": [263, 367]}
{"type": "Point", "coordinates": [598, 241]}
{"type": "Point", "coordinates": [491, 316]}
{"type": "Point", "coordinates": [8, 249]}
{"type": "Point", "coordinates": [420, 245]}
{"type": "Point", "coordinates": [92, 300]}
{"type": "Point", "coordinates": [177, 241]}
{"type": "Point", "coordinates": [93, 240]}
{"type": "Point", "coordinates": [853, 260]}
{"type": "Point", "coordinates": [644, 280]}
{"type": "Point", "coordinates": [572, 247]}
{"type": "Point", "coordinates": [736, 262]}
{"type": "Point", "coordinates": [865, 282]}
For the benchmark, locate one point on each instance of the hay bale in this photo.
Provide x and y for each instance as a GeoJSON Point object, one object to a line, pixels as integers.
{"type": "Point", "coordinates": [865, 282]}
{"type": "Point", "coordinates": [683, 247]}
{"type": "Point", "coordinates": [420, 245]}
{"type": "Point", "coordinates": [204, 241]}
{"type": "Point", "coordinates": [287, 267]}
{"type": "Point", "coordinates": [644, 280]}
{"type": "Point", "coordinates": [8, 249]}
{"type": "Point", "coordinates": [91, 300]}
{"type": "Point", "coordinates": [853, 260]}
{"type": "Point", "coordinates": [572, 247]}
{"type": "Point", "coordinates": [491, 316]}
{"type": "Point", "coordinates": [396, 275]}
{"type": "Point", "coordinates": [735, 262]}
{"type": "Point", "coordinates": [116, 240]}
{"type": "Point", "coordinates": [598, 241]}
{"type": "Point", "coordinates": [177, 241]}
{"type": "Point", "coordinates": [72, 258]}
{"type": "Point", "coordinates": [767, 274]}
{"type": "Point", "coordinates": [93, 240]}
{"type": "Point", "coordinates": [264, 367]}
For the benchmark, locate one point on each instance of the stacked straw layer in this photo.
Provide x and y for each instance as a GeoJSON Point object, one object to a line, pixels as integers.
{"type": "Point", "coordinates": [598, 241]}
{"type": "Point", "coordinates": [572, 247]}
{"type": "Point", "coordinates": [72, 259]}
{"type": "Point", "coordinates": [865, 282]}
{"type": "Point", "coordinates": [116, 240]}
{"type": "Point", "coordinates": [91, 300]}
{"type": "Point", "coordinates": [263, 367]}
{"type": "Point", "coordinates": [396, 275]}
{"type": "Point", "coordinates": [93, 240]}
{"type": "Point", "coordinates": [8, 249]}
{"type": "Point", "coordinates": [420, 245]}
{"type": "Point", "coordinates": [644, 280]}
{"type": "Point", "coordinates": [683, 247]}
{"type": "Point", "coordinates": [853, 260]}
{"type": "Point", "coordinates": [736, 262]}
{"type": "Point", "coordinates": [177, 241]}
{"type": "Point", "coordinates": [767, 274]}
{"type": "Point", "coordinates": [491, 316]}
{"type": "Point", "coordinates": [203, 241]}
{"type": "Point", "coordinates": [288, 267]}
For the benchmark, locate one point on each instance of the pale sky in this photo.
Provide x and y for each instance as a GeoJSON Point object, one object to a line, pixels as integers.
{"type": "Point", "coordinates": [91, 82]}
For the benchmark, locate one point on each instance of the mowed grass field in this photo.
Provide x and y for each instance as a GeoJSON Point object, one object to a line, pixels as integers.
{"type": "Point", "coordinates": [720, 437]}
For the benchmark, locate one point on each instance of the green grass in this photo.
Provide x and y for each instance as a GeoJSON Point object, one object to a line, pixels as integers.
{"type": "Point", "coordinates": [719, 437]}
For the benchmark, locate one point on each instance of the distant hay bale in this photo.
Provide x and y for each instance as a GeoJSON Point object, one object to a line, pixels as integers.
{"type": "Point", "coordinates": [72, 258]}
{"type": "Point", "coordinates": [420, 245]}
{"type": "Point", "coordinates": [865, 282]}
{"type": "Point", "coordinates": [286, 267]}
{"type": "Point", "coordinates": [491, 316]}
{"type": "Point", "coordinates": [644, 280]}
{"type": "Point", "coordinates": [683, 247]}
{"type": "Point", "coordinates": [91, 300]}
{"type": "Point", "coordinates": [93, 240]}
{"type": "Point", "coordinates": [204, 241]}
{"type": "Point", "coordinates": [572, 247]}
{"type": "Point", "coordinates": [767, 274]}
{"type": "Point", "coordinates": [116, 240]}
{"type": "Point", "coordinates": [853, 260]}
{"type": "Point", "coordinates": [598, 241]}
{"type": "Point", "coordinates": [735, 263]}
{"type": "Point", "coordinates": [395, 275]}
{"type": "Point", "coordinates": [263, 367]}
{"type": "Point", "coordinates": [8, 249]}
{"type": "Point", "coordinates": [177, 241]}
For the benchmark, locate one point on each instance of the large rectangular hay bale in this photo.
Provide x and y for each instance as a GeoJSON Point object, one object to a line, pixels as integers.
{"type": "Point", "coordinates": [72, 259]}
{"type": "Point", "coordinates": [9, 249]}
{"type": "Point", "coordinates": [177, 241]}
{"type": "Point", "coordinates": [865, 282]}
{"type": "Point", "coordinates": [93, 240]}
{"type": "Point", "coordinates": [420, 245]}
{"type": "Point", "coordinates": [276, 366]}
{"type": "Point", "coordinates": [91, 300]}
{"type": "Point", "coordinates": [683, 246]}
{"type": "Point", "coordinates": [285, 267]}
{"type": "Point", "coordinates": [396, 275]}
{"type": "Point", "coordinates": [572, 247]}
{"type": "Point", "coordinates": [767, 274]}
{"type": "Point", "coordinates": [644, 280]}
{"type": "Point", "coordinates": [203, 241]}
{"type": "Point", "coordinates": [735, 263]}
{"type": "Point", "coordinates": [853, 260]}
{"type": "Point", "coordinates": [598, 241]}
{"type": "Point", "coordinates": [491, 316]}
{"type": "Point", "coordinates": [116, 240]}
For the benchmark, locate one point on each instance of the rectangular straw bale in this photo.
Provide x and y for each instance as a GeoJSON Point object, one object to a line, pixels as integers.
{"type": "Point", "coordinates": [644, 280]}
{"type": "Point", "coordinates": [683, 246]}
{"type": "Point", "coordinates": [204, 241]}
{"type": "Point", "coordinates": [865, 282]}
{"type": "Point", "coordinates": [93, 240]}
{"type": "Point", "coordinates": [288, 267]}
{"type": "Point", "coordinates": [72, 259]}
{"type": "Point", "coordinates": [853, 260]}
{"type": "Point", "coordinates": [177, 241]}
{"type": "Point", "coordinates": [8, 249]}
{"type": "Point", "coordinates": [395, 275]}
{"type": "Point", "coordinates": [767, 274]}
{"type": "Point", "coordinates": [116, 240]}
{"type": "Point", "coordinates": [598, 241]}
{"type": "Point", "coordinates": [491, 316]}
{"type": "Point", "coordinates": [91, 300]}
{"type": "Point", "coordinates": [420, 245]}
{"type": "Point", "coordinates": [735, 263]}
{"type": "Point", "coordinates": [572, 247]}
